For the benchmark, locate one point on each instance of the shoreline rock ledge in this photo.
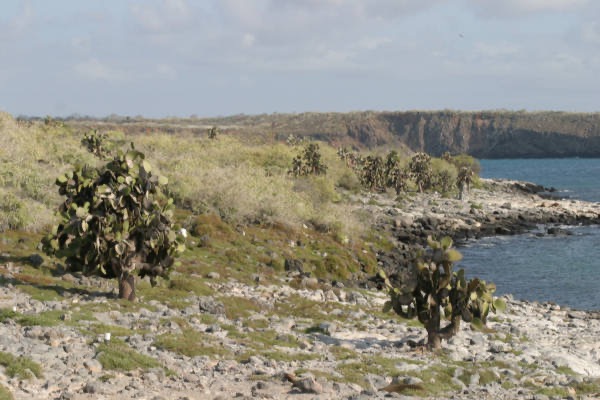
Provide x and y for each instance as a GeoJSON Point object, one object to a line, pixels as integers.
{"type": "Point", "coordinates": [503, 207]}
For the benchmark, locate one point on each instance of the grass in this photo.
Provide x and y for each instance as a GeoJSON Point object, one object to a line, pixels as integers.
{"type": "Point", "coordinates": [21, 367]}
{"type": "Point", "coordinates": [117, 355]}
{"type": "Point", "coordinates": [191, 343]}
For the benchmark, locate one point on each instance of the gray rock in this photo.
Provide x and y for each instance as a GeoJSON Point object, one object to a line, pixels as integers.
{"type": "Point", "coordinates": [308, 384]}
{"type": "Point", "coordinates": [92, 388]}
{"type": "Point", "coordinates": [93, 366]}
{"type": "Point", "coordinates": [477, 339]}
{"type": "Point", "coordinates": [211, 306]}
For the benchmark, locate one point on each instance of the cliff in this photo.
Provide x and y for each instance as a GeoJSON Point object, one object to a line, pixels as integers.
{"type": "Point", "coordinates": [483, 134]}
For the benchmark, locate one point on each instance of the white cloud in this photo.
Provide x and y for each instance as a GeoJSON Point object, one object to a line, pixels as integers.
{"type": "Point", "coordinates": [167, 16]}
{"type": "Point", "coordinates": [248, 40]}
{"type": "Point", "coordinates": [590, 32]}
{"type": "Point", "coordinates": [516, 8]}
{"type": "Point", "coordinates": [95, 70]}
{"type": "Point", "coordinates": [373, 43]}
{"type": "Point", "coordinates": [167, 71]}
{"type": "Point", "coordinates": [24, 20]}
{"type": "Point", "coordinates": [496, 50]}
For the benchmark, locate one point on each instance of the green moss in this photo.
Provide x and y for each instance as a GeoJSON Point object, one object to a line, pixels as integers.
{"type": "Point", "coordinates": [193, 285]}
{"type": "Point", "coordinates": [21, 367]}
{"type": "Point", "coordinates": [191, 343]}
{"type": "Point", "coordinates": [117, 355]}
{"type": "Point", "coordinates": [343, 353]}
{"type": "Point", "coordinates": [438, 378]}
{"type": "Point", "coordinates": [115, 330]}
{"type": "Point", "coordinates": [239, 307]}
{"type": "Point", "coordinates": [46, 318]}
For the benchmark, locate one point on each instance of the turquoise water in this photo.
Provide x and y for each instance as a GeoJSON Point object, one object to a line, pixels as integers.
{"type": "Point", "coordinates": [564, 270]}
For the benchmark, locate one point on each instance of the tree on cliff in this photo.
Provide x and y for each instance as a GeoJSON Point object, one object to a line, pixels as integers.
{"type": "Point", "coordinates": [116, 222]}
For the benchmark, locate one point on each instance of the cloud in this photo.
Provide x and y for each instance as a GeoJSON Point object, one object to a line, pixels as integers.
{"type": "Point", "coordinates": [166, 16]}
{"type": "Point", "coordinates": [496, 50]}
{"type": "Point", "coordinates": [24, 19]}
{"type": "Point", "coordinates": [590, 32]}
{"type": "Point", "coordinates": [93, 69]}
{"type": "Point", "coordinates": [20, 23]}
{"type": "Point", "coordinates": [519, 8]}
{"type": "Point", "coordinates": [166, 71]}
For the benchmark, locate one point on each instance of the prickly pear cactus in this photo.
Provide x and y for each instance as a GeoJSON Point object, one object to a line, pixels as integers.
{"type": "Point", "coordinates": [420, 170]}
{"type": "Point", "coordinates": [95, 143]}
{"type": "Point", "coordinates": [116, 222]}
{"type": "Point", "coordinates": [436, 292]}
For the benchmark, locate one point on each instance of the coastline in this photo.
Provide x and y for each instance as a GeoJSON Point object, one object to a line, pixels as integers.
{"type": "Point", "coordinates": [502, 207]}
{"type": "Point", "coordinates": [334, 338]}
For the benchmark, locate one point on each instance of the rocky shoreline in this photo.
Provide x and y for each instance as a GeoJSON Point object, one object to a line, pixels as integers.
{"type": "Point", "coordinates": [307, 339]}
{"type": "Point", "coordinates": [503, 207]}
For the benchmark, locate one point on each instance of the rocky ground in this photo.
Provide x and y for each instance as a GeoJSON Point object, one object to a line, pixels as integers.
{"type": "Point", "coordinates": [296, 337]}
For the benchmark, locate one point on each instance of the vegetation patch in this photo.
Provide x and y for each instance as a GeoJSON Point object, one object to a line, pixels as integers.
{"type": "Point", "coordinates": [191, 343]}
{"type": "Point", "coordinates": [117, 355]}
{"type": "Point", "coordinates": [21, 367]}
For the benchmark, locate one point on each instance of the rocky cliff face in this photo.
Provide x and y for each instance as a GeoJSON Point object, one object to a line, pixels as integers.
{"type": "Point", "coordinates": [484, 134]}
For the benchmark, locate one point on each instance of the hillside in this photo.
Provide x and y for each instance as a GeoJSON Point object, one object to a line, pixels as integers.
{"type": "Point", "coordinates": [272, 281]}
{"type": "Point", "coordinates": [485, 134]}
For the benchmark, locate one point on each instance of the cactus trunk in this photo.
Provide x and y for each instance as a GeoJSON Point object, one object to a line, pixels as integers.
{"type": "Point", "coordinates": [435, 335]}
{"type": "Point", "coordinates": [127, 287]}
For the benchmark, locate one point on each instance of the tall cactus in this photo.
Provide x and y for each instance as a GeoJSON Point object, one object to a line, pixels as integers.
{"type": "Point", "coordinates": [116, 222]}
{"type": "Point", "coordinates": [420, 170]}
{"type": "Point", "coordinates": [434, 291]}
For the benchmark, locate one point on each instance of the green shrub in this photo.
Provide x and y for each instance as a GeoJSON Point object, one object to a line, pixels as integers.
{"type": "Point", "coordinates": [13, 213]}
{"type": "Point", "coordinates": [21, 367]}
{"type": "Point", "coordinates": [117, 355]}
{"type": "Point", "coordinates": [444, 176]}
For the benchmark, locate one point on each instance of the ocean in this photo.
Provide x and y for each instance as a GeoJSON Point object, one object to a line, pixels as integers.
{"type": "Point", "coordinates": [563, 270]}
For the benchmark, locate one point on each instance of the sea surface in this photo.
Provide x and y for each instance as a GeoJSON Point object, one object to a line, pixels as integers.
{"type": "Point", "coordinates": [563, 270]}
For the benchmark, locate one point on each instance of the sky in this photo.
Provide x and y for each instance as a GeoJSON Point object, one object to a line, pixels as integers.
{"type": "Point", "coordinates": [160, 58]}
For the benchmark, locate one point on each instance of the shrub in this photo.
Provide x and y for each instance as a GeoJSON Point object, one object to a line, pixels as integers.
{"type": "Point", "coordinates": [444, 176]}
{"type": "Point", "coordinates": [13, 212]}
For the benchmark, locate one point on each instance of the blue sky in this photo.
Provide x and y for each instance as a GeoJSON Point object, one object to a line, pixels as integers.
{"type": "Point", "coordinates": [160, 58]}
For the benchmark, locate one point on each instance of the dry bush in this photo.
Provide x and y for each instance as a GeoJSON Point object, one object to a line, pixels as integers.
{"type": "Point", "coordinates": [248, 183]}
{"type": "Point", "coordinates": [32, 157]}
{"type": "Point", "coordinates": [238, 181]}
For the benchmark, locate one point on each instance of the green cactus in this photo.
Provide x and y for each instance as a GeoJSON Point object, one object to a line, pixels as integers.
{"type": "Point", "coordinates": [464, 179]}
{"type": "Point", "coordinates": [116, 222]}
{"type": "Point", "coordinates": [373, 173]}
{"type": "Point", "coordinates": [420, 170]}
{"type": "Point", "coordinates": [212, 132]}
{"type": "Point", "coordinates": [95, 143]}
{"type": "Point", "coordinates": [308, 162]}
{"type": "Point", "coordinates": [432, 291]}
